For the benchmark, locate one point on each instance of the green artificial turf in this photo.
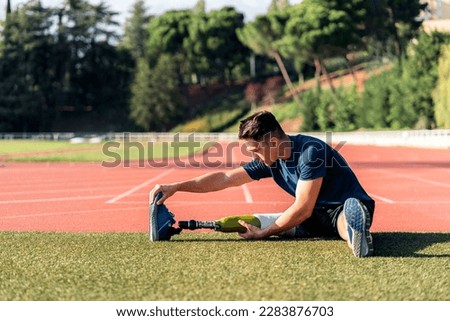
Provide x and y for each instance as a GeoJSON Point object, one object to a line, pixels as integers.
{"type": "Point", "coordinates": [59, 151]}
{"type": "Point", "coordinates": [216, 266]}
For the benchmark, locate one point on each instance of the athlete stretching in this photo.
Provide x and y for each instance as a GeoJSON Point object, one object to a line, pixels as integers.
{"type": "Point", "coordinates": [329, 200]}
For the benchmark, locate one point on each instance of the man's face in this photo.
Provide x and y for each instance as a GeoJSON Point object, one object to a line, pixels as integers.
{"type": "Point", "coordinates": [265, 151]}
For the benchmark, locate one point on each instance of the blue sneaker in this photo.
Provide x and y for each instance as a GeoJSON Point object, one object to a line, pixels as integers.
{"type": "Point", "coordinates": [358, 221]}
{"type": "Point", "coordinates": [161, 221]}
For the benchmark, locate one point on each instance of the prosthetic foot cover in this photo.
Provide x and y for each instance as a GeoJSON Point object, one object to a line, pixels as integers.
{"type": "Point", "coordinates": [161, 221]}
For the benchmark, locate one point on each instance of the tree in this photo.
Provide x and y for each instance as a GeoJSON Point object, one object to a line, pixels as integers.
{"type": "Point", "coordinates": [25, 60]}
{"type": "Point", "coordinates": [140, 99]}
{"type": "Point", "coordinates": [155, 101]}
{"type": "Point", "coordinates": [203, 45]}
{"type": "Point", "coordinates": [263, 36]}
{"type": "Point", "coordinates": [344, 113]}
{"type": "Point", "coordinates": [200, 7]}
{"type": "Point", "coordinates": [404, 23]}
{"type": "Point", "coordinates": [441, 94]}
{"type": "Point", "coordinates": [311, 99]}
{"type": "Point", "coordinates": [136, 30]}
{"type": "Point", "coordinates": [59, 59]}
{"type": "Point", "coordinates": [401, 111]}
{"type": "Point", "coordinates": [209, 47]}
{"type": "Point", "coordinates": [93, 75]}
{"type": "Point", "coordinates": [420, 74]}
{"type": "Point", "coordinates": [393, 23]}
{"type": "Point", "coordinates": [195, 46]}
{"type": "Point", "coordinates": [222, 48]}
{"type": "Point", "coordinates": [278, 5]}
{"type": "Point", "coordinates": [8, 8]}
{"type": "Point", "coordinates": [168, 34]}
{"type": "Point", "coordinates": [319, 29]}
{"type": "Point", "coordinates": [375, 106]}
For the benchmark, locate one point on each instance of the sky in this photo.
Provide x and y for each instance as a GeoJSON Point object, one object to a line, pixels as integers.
{"type": "Point", "coordinates": [250, 8]}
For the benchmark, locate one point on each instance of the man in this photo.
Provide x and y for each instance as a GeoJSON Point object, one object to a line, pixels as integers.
{"type": "Point", "coordinates": [329, 200]}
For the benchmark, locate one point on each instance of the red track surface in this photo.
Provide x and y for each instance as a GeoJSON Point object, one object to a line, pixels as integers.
{"type": "Point", "coordinates": [411, 188]}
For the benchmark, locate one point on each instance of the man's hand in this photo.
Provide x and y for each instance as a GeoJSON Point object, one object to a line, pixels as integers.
{"type": "Point", "coordinates": [252, 233]}
{"type": "Point", "coordinates": [166, 190]}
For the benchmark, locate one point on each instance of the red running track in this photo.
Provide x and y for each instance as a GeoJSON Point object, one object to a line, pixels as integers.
{"type": "Point", "coordinates": [411, 187]}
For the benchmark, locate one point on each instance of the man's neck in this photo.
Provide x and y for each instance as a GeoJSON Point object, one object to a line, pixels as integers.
{"type": "Point", "coordinates": [285, 148]}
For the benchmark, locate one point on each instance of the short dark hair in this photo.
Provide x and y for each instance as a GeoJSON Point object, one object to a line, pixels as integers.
{"type": "Point", "coordinates": [260, 124]}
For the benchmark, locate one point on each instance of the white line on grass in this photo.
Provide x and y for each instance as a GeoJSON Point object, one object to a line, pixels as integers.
{"type": "Point", "coordinates": [138, 187]}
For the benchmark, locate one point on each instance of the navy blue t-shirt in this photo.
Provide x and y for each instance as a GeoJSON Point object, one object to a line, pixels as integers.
{"type": "Point", "coordinates": [312, 158]}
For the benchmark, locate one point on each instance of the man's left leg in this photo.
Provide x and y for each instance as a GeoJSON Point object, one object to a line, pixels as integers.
{"type": "Point", "coordinates": [353, 226]}
{"type": "Point", "coordinates": [230, 224]}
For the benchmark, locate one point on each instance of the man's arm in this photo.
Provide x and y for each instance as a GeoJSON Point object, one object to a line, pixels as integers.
{"type": "Point", "coordinates": [305, 198]}
{"type": "Point", "coordinates": [203, 184]}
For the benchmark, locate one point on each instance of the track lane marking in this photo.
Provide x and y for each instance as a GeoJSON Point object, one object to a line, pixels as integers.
{"type": "Point", "coordinates": [412, 178]}
{"type": "Point", "coordinates": [138, 187]}
{"type": "Point", "coordinates": [55, 199]}
{"type": "Point", "coordinates": [18, 216]}
{"type": "Point", "coordinates": [55, 191]}
{"type": "Point", "coordinates": [184, 203]}
{"type": "Point", "coordinates": [383, 199]}
{"type": "Point", "coordinates": [247, 194]}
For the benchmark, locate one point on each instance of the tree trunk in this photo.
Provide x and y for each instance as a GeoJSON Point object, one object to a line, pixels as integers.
{"type": "Point", "coordinates": [286, 77]}
{"type": "Point", "coordinates": [317, 73]}
{"type": "Point", "coordinates": [350, 69]}
{"type": "Point", "coordinates": [330, 82]}
{"type": "Point", "coordinates": [327, 75]}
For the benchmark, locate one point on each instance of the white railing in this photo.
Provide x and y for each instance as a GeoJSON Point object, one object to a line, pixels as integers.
{"type": "Point", "coordinates": [411, 138]}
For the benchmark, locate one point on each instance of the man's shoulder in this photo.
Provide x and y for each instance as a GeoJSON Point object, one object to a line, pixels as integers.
{"type": "Point", "coordinates": [257, 169]}
{"type": "Point", "coordinates": [301, 142]}
{"type": "Point", "coordinates": [303, 138]}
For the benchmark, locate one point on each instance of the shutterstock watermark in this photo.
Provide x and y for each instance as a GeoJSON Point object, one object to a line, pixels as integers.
{"type": "Point", "coordinates": [187, 151]}
{"type": "Point", "coordinates": [194, 151]}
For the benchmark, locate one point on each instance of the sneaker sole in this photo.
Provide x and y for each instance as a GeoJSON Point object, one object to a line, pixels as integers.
{"type": "Point", "coordinates": [362, 245]}
{"type": "Point", "coordinates": [152, 217]}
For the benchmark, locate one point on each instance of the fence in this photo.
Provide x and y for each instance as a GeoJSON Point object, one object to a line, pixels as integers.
{"type": "Point", "coordinates": [410, 138]}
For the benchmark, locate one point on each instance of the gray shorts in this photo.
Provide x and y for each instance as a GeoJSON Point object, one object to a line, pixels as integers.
{"type": "Point", "coordinates": [323, 221]}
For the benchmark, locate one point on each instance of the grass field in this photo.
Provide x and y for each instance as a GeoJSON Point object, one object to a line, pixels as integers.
{"type": "Point", "coordinates": [64, 151]}
{"type": "Point", "coordinates": [215, 266]}
{"type": "Point", "coordinates": [39, 266]}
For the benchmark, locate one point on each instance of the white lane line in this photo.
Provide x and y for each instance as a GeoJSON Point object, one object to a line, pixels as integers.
{"type": "Point", "coordinates": [247, 194]}
{"type": "Point", "coordinates": [18, 216]}
{"type": "Point", "coordinates": [413, 178]}
{"type": "Point", "coordinates": [423, 180]}
{"type": "Point", "coordinates": [56, 199]}
{"type": "Point", "coordinates": [204, 203]}
{"type": "Point", "coordinates": [424, 202]}
{"type": "Point", "coordinates": [58, 191]}
{"type": "Point", "coordinates": [138, 187]}
{"type": "Point", "coordinates": [383, 199]}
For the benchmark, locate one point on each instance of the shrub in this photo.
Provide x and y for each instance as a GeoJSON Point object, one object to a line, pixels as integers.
{"type": "Point", "coordinates": [373, 110]}
{"type": "Point", "coordinates": [441, 95]}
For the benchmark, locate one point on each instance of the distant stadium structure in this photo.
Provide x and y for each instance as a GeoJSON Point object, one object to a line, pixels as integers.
{"type": "Point", "coordinates": [437, 16]}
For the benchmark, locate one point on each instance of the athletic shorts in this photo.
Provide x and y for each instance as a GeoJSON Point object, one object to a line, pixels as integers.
{"type": "Point", "coordinates": [323, 221]}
